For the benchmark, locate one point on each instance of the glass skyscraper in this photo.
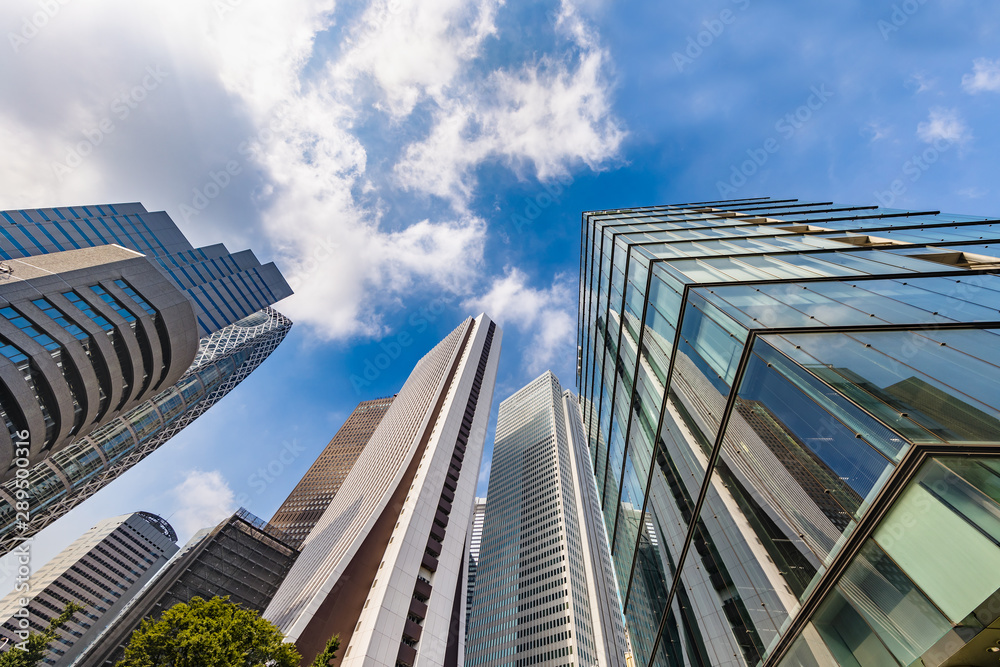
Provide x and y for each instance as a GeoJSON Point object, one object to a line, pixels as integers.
{"type": "Point", "coordinates": [793, 413]}
{"type": "Point", "coordinates": [101, 368]}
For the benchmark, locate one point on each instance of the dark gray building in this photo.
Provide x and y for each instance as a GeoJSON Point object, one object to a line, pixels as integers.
{"type": "Point", "coordinates": [115, 333]}
{"type": "Point", "coordinates": [243, 558]}
{"type": "Point", "coordinates": [86, 335]}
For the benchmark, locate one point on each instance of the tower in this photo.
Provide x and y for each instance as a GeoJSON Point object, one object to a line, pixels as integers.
{"type": "Point", "coordinates": [538, 598]}
{"type": "Point", "coordinates": [304, 506]}
{"type": "Point", "coordinates": [384, 566]}
{"type": "Point", "coordinates": [102, 570]}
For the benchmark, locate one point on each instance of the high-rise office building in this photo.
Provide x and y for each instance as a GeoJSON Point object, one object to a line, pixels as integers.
{"type": "Point", "coordinates": [115, 333]}
{"type": "Point", "coordinates": [536, 599]}
{"type": "Point", "coordinates": [384, 566]}
{"type": "Point", "coordinates": [304, 506]}
{"type": "Point", "coordinates": [102, 570]}
{"type": "Point", "coordinates": [472, 562]}
{"type": "Point", "coordinates": [793, 412]}
{"type": "Point", "coordinates": [243, 558]}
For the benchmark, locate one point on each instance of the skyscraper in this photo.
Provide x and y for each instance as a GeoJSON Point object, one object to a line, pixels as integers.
{"type": "Point", "coordinates": [536, 598]}
{"type": "Point", "coordinates": [384, 566]}
{"type": "Point", "coordinates": [472, 562]}
{"type": "Point", "coordinates": [304, 506]}
{"type": "Point", "coordinates": [115, 333]}
{"type": "Point", "coordinates": [102, 570]}
{"type": "Point", "coordinates": [242, 558]}
{"type": "Point", "coordinates": [793, 412]}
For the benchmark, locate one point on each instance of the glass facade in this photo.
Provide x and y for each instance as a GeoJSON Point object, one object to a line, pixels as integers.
{"type": "Point", "coordinates": [224, 287]}
{"type": "Point", "coordinates": [755, 377]}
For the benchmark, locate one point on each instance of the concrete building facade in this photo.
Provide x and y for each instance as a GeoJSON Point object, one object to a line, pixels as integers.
{"type": "Point", "coordinates": [102, 570]}
{"type": "Point", "coordinates": [384, 567]}
{"type": "Point", "coordinates": [541, 595]}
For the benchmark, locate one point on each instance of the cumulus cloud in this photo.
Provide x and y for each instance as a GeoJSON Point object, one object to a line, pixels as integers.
{"type": "Point", "coordinates": [985, 77]}
{"type": "Point", "coordinates": [204, 499]}
{"type": "Point", "coordinates": [335, 117]}
{"type": "Point", "coordinates": [547, 316]}
{"type": "Point", "coordinates": [944, 125]}
{"type": "Point", "coordinates": [550, 115]}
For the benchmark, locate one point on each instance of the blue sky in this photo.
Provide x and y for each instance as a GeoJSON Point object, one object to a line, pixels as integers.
{"type": "Point", "coordinates": [410, 163]}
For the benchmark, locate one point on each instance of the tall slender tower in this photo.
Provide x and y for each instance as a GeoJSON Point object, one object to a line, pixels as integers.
{"type": "Point", "coordinates": [304, 506]}
{"type": "Point", "coordinates": [542, 558]}
{"type": "Point", "coordinates": [384, 566]}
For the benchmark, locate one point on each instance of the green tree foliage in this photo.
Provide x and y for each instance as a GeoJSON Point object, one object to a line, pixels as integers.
{"type": "Point", "coordinates": [329, 653]}
{"type": "Point", "coordinates": [209, 633]}
{"type": "Point", "coordinates": [30, 652]}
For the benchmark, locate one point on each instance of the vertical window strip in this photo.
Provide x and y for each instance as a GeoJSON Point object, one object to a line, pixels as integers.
{"type": "Point", "coordinates": [224, 301]}
{"type": "Point", "coordinates": [15, 242]}
{"type": "Point", "coordinates": [205, 310]}
{"type": "Point", "coordinates": [253, 294]}
{"type": "Point", "coordinates": [86, 238]}
{"type": "Point", "coordinates": [66, 234]}
{"type": "Point", "coordinates": [256, 274]}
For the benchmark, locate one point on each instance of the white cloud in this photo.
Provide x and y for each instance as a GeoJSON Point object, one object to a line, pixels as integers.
{"type": "Point", "coordinates": [551, 114]}
{"type": "Point", "coordinates": [985, 76]}
{"type": "Point", "coordinates": [922, 82]}
{"type": "Point", "coordinates": [547, 316]}
{"type": "Point", "coordinates": [943, 125]}
{"type": "Point", "coordinates": [292, 91]}
{"type": "Point", "coordinates": [204, 499]}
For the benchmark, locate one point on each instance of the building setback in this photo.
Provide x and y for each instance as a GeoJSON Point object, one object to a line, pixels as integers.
{"type": "Point", "coordinates": [102, 570]}
{"type": "Point", "coordinates": [243, 558]}
{"type": "Point", "coordinates": [115, 333]}
{"type": "Point", "coordinates": [793, 412]}
{"type": "Point", "coordinates": [304, 506]}
{"type": "Point", "coordinates": [535, 599]}
{"type": "Point", "coordinates": [384, 566]}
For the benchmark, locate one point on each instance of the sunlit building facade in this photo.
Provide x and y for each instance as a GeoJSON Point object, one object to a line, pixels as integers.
{"type": "Point", "coordinates": [384, 567]}
{"type": "Point", "coordinates": [793, 411]}
{"type": "Point", "coordinates": [243, 558]}
{"type": "Point", "coordinates": [541, 595]}
{"type": "Point", "coordinates": [102, 571]}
